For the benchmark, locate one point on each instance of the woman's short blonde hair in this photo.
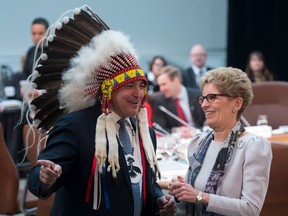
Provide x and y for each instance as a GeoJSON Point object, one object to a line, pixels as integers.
{"type": "Point", "coordinates": [231, 81]}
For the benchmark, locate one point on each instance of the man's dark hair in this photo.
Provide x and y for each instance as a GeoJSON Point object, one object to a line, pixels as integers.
{"type": "Point", "coordinates": [42, 21]}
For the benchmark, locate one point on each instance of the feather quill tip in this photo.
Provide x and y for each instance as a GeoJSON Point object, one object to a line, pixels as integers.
{"type": "Point", "coordinates": [59, 26]}
{"type": "Point", "coordinates": [77, 11]}
{"type": "Point", "coordinates": [35, 74]}
{"type": "Point", "coordinates": [50, 38]}
{"type": "Point", "coordinates": [44, 56]}
{"type": "Point", "coordinates": [65, 20]}
{"type": "Point", "coordinates": [42, 130]}
{"type": "Point", "coordinates": [34, 85]}
{"type": "Point", "coordinates": [36, 122]}
{"type": "Point", "coordinates": [32, 107]}
{"type": "Point", "coordinates": [85, 6]}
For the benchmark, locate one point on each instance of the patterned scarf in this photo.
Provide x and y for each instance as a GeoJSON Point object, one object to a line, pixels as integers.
{"type": "Point", "coordinates": [218, 169]}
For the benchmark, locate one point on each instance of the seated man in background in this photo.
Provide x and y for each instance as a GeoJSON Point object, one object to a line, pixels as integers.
{"type": "Point", "coordinates": [198, 67]}
{"type": "Point", "coordinates": [179, 101]}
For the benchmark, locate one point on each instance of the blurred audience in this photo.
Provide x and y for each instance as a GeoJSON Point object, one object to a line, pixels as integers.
{"type": "Point", "coordinates": [9, 83]}
{"type": "Point", "coordinates": [198, 68]}
{"type": "Point", "coordinates": [178, 100]}
{"type": "Point", "coordinates": [154, 67]}
{"type": "Point", "coordinates": [256, 68]}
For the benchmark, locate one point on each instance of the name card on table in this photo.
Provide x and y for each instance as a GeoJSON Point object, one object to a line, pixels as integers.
{"type": "Point", "coordinates": [261, 130]}
{"type": "Point", "coordinates": [10, 91]}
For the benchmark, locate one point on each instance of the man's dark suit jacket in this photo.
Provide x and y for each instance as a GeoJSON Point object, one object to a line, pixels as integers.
{"type": "Point", "coordinates": [71, 144]}
{"type": "Point", "coordinates": [188, 78]}
{"type": "Point", "coordinates": [167, 122]}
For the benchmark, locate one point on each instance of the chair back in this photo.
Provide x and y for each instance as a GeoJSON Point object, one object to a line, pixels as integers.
{"type": "Point", "coordinates": [271, 99]}
{"type": "Point", "coordinates": [45, 206]}
{"type": "Point", "coordinates": [31, 139]}
{"type": "Point", "coordinates": [9, 180]}
{"type": "Point", "coordinates": [276, 201]}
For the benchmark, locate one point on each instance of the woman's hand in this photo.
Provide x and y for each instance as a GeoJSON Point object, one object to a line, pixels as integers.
{"type": "Point", "coordinates": [181, 190]}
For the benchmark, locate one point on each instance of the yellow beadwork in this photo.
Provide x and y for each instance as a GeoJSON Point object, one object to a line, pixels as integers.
{"type": "Point", "coordinates": [127, 75]}
{"type": "Point", "coordinates": [107, 87]}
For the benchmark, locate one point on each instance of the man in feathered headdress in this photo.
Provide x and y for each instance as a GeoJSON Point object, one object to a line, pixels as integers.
{"type": "Point", "coordinates": [100, 156]}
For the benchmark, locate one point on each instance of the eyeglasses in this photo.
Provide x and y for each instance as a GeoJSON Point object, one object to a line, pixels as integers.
{"type": "Point", "coordinates": [210, 98]}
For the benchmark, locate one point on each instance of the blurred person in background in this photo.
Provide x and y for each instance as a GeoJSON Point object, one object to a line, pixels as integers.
{"type": "Point", "coordinates": [256, 68]}
{"type": "Point", "coordinates": [154, 67]}
{"type": "Point", "coordinates": [228, 167]}
{"type": "Point", "coordinates": [198, 68]}
{"type": "Point", "coordinates": [179, 100]}
{"type": "Point", "coordinates": [39, 28]}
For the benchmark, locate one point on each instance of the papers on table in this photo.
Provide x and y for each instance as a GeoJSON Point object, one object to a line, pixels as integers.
{"type": "Point", "coordinates": [170, 168]}
{"type": "Point", "coordinates": [11, 104]}
{"type": "Point", "coordinates": [282, 129]}
{"type": "Point", "coordinates": [261, 130]}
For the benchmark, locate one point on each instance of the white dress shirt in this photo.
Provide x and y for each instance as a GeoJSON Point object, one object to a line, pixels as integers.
{"type": "Point", "coordinates": [184, 103]}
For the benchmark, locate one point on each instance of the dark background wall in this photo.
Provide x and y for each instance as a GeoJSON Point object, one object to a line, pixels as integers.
{"type": "Point", "coordinates": [258, 25]}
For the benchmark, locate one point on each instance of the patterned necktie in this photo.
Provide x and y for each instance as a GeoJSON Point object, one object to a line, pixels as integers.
{"type": "Point", "coordinates": [198, 77]}
{"type": "Point", "coordinates": [180, 111]}
{"type": "Point", "coordinates": [126, 142]}
{"type": "Point", "coordinates": [200, 73]}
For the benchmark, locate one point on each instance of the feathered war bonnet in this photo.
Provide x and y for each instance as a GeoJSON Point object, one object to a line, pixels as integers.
{"type": "Point", "coordinates": [106, 64]}
{"type": "Point", "coordinates": [85, 63]}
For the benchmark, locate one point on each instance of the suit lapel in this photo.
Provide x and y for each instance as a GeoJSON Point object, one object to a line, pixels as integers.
{"type": "Point", "coordinates": [172, 108]}
{"type": "Point", "coordinates": [192, 78]}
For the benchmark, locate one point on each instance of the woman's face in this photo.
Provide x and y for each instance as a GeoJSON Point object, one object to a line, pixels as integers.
{"type": "Point", "coordinates": [256, 64]}
{"type": "Point", "coordinates": [221, 114]}
{"type": "Point", "coordinates": [157, 65]}
{"type": "Point", "coordinates": [38, 32]}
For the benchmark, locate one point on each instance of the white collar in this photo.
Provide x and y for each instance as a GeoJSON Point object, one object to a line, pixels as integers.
{"type": "Point", "coordinates": [183, 93]}
{"type": "Point", "coordinates": [197, 69]}
{"type": "Point", "coordinates": [116, 118]}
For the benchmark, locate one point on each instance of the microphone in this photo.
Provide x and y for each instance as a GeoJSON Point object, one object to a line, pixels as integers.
{"type": "Point", "coordinates": [162, 108]}
{"type": "Point", "coordinates": [244, 121]}
{"type": "Point", "coordinates": [158, 127]}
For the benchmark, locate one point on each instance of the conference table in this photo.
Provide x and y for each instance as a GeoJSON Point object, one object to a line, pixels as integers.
{"type": "Point", "coordinates": [279, 138]}
{"type": "Point", "coordinates": [170, 168]}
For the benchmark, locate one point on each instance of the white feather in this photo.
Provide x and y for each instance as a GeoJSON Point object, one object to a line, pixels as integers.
{"type": "Point", "coordinates": [88, 60]}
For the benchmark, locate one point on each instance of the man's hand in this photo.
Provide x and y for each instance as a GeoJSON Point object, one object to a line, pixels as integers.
{"type": "Point", "coordinates": [49, 172]}
{"type": "Point", "coordinates": [167, 205]}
